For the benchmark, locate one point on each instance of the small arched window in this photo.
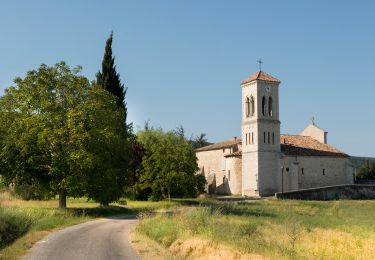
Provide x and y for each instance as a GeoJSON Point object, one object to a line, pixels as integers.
{"type": "Point", "coordinates": [270, 106]}
{"type": "Point", "coordinates": [252, 106]}
{"type": "Point", "coordinates": [264, 106]}
{"type": "Point", "coordinates": [247, 108]}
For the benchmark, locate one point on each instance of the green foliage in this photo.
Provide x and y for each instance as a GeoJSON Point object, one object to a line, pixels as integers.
{"type": "Point", "coordinates": [12, 226]}
{"type": "Point", "coordinates": [109, 79]}
{"type": "Point", "coordinates": [169, 165]}
{"type": "Point", "coordinates": [199, 141]}
{"type": "Point", "coordinates": [367, 171]}
{"type": "Point", "coordinates": [136, 153]}
{"type": "Point", "coordinates": [107, 146]}
{"type": "Point", "coordinates": [359, 162]}
{"type": "Point", "coordinates": [22, 221]}
{"type": "Point", "coordinates": [33, 191]}
{"type": "Point", "coordinates": [62, 134]}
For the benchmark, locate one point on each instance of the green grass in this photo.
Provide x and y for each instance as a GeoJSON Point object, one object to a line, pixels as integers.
{"type": "Point", "coordinates": [275, 228]}
{"type": "Point", "coordinates": [22, 223]}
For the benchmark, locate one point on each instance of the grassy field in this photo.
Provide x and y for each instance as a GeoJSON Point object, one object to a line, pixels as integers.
{"type": "Point", "coordinates": [269, 229]}
{"type": "Point", "coordinates": [22, 223]}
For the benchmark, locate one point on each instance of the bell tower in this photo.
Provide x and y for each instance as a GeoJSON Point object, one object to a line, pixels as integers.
{"type": "Point", "coordinates": [260, 135]}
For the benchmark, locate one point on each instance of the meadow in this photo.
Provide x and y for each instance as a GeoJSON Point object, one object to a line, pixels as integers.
{"type": "Point", "coordinates": [22, 223]}
{"type": "Point", "coordinates": [206, 228]}
{"type": "Point", "coordinates": [267, 229]}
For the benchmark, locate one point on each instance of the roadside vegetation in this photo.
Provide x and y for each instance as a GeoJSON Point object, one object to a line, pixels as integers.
{"type": "Point", "coordinates": [65, 142]}
{"type": "Point", "coordinates": [267, 229]}
{"type": "Point", "coordinates": [24, 222]}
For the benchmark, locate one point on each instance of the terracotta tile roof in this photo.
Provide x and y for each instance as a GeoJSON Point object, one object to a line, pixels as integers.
{"type": "Point", "coordinates": [260, 75]}
{"type": "Point", "coordinates": [294, 145]}
{"type": "Point", "coordinates": [221, 145]}
{"type": "Point", "coordinates": [306, 146]}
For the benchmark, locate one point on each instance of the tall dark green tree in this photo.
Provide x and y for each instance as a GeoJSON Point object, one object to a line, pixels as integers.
{"type": "Point", "coordinates": [109, 79]}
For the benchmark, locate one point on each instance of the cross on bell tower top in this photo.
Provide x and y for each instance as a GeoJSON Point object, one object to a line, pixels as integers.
{"type": "Point", "coordinates": [260, 64]}
{"type": "Point", "coordinates": [313, 120]}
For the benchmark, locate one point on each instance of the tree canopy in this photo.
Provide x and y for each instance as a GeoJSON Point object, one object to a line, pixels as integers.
{"type": "Point", "coordinates": [169, 166]}
{"type": "Point", "coordinates": [108, 78]}
{"type": "Point", "coordinates": [367, 171]}
{"type": "Point", "coordinates": [59, 132]}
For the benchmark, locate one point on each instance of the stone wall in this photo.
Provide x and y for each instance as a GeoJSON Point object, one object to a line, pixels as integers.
{"type": "Point", "coordinates": [315, 171]}
{"type": "Point", "coordinates": [234, 175]}
{"type": "Point", "coordinates": [217, 168]}
{"type": "Point", "coordinates": [354, 191]}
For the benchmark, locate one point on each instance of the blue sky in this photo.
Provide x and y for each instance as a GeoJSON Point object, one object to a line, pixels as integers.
{"type": "Point", "coordinates": [183, 60]}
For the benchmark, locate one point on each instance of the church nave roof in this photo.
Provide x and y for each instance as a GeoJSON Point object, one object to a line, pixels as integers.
{"type": "Point", "coordinates": [300, 145]}
{"type": "Point", "coordinates": [292, 145]}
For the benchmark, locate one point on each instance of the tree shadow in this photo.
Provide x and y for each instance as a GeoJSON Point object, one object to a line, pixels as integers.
{"type": "Point", "coordinates": [110, 211]}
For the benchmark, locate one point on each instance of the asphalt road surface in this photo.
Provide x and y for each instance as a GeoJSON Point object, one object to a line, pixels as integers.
{"type": "Point", "coordinates": [98, 239]}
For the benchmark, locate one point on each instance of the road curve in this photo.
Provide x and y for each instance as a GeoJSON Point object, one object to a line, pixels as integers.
{"type": "Point", "coordinates": [99, 239]}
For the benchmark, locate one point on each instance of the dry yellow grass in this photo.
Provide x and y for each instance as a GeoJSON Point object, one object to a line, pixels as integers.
{"type": "Point", "coordinates": [269, 229]}
{"type": "Point", "coordinates": [333, 244]}
{"type": "Point", "coordinates": [204, 249]}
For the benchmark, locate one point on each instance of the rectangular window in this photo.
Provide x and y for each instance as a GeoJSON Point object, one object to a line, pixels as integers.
{"type": "Point", "coordinates": [252, 137]}
{"type": "Point", "coordinates": [324, 171]}
{"type": "Point", "coordinates": [264, 137]}
{"type": "Point", "coordinates": [228, 175]}
{"type": "Point", "coordinates": [268, 137]}
{"type": "Point", "coordinates": [302, 171]}
{"type": "Point", "coordinates": [246, 138]}
{"type": "Point", "coordinates": [273, 138]}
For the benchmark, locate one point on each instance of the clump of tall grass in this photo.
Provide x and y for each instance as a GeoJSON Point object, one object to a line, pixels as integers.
{"type": "Point", "coordinates": [207, 222]}
{"type": "Point", "coordinates": [12, 226]}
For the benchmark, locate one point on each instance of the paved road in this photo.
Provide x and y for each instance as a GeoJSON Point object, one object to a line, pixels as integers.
{"type": "Point", "coordinates": [98, 239]}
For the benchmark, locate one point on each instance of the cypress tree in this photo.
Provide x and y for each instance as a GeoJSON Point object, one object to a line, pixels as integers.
{"type": "Point", "coordinates": [109, 79]}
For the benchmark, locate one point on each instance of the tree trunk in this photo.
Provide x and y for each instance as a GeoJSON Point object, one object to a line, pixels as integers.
{"type": "Point", "coordinates": [169, 194]}
{"type": "Point", "coordinates": [62, 199]}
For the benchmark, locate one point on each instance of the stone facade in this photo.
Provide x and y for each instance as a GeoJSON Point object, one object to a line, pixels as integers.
{"type": "Point", "coordinates": [315, 132]}
{"type": "Point", "coordinates": [264, 162]}
{"type": "Point", "coordinates": [300, 172]}
{"type": "Point", "coordinates": [222, 169]}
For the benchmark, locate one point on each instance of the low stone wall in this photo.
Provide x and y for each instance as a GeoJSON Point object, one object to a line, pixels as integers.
{"type": "Point", "coordinates": [354, 191]}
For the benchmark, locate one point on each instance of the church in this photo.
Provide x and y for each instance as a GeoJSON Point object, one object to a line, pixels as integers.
{"type": "Point", "coordinates": [264, 161]}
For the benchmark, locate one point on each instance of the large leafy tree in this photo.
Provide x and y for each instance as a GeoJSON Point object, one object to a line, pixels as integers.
{"type": "Point", "coordinates": [169, 166]}
{"type": "Point", "coordinates": [63, 134]}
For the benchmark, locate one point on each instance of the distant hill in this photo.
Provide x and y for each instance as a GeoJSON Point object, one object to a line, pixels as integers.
{"type": "Point", "coordinates": [358, 162]}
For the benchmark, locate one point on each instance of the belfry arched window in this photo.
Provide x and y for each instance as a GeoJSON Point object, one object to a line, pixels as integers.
{"type": "Point", "coordinates": [247, 107]}
{"type": "Point", "coordinates": [252, 106]}
{"type": "Point", "coordinates": [264, 106]}
{"type": "Point", "coordinates": [270, 106]}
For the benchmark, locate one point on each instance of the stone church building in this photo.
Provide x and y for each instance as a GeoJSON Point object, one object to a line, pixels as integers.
{"type": "Point", "coordinates": [264, 161]}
